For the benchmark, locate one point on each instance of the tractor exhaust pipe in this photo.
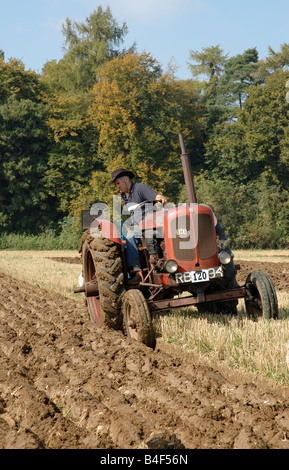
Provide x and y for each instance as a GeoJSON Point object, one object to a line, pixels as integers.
{"type": "Point", "coordinates": [188, 175]}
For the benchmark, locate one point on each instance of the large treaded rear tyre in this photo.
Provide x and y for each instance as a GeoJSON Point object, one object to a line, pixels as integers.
{"type": "Point", "coordinates": [102, 265]}
{"type": "Point", "coordinates": [261, 299]}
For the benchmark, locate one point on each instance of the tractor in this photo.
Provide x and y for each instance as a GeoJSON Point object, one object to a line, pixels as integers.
{"type": "Point", "coordinates": [184, 262]}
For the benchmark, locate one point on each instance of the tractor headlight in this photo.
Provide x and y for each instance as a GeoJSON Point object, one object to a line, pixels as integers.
{"type": "Point", "coordinates": [225, 257]}
{"type": "Point", "coordinates": [171, 266]}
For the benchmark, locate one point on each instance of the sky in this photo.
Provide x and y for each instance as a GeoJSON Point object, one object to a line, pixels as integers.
{"type": "Point", "coordinates": [31, 30]}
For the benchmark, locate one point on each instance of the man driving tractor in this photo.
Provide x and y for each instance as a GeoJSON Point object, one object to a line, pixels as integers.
{"type": "Point", "coordinates": [133, 194]}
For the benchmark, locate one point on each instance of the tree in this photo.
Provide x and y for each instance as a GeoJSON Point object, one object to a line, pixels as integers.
{"type": "Point", "coordinates": [25, 205]}
{"type": "Point", "coordinates": [210, 62]}
{"type": "Point", "coordinates": [209, 67]}
{"type": "Point", "coordinates": [239, 74]}
{"type": "Point", "coordinates": [255, 214]}
{"type": "Point", "coordinates": [16, 81]}
{"type": "Point", "coordinates": [73, 149]}
{"type": "Point", "coordinates": [256, 145]}
{"type": "Point", "coordinates": [88, 46]}
{"type": "Point", "coordinates": [277, 60]}
{"type": "Point", "coordinates": [73, 155]}
{"type": "Point", "coordinates": [138, 113]}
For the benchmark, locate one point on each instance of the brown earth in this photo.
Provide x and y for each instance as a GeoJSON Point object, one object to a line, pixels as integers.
{"type": "Point", "coordinates": [279, 272]}
{"type": "Point", "coordinates": [64, 383]}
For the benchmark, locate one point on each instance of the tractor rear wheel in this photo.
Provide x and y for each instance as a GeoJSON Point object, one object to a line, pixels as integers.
{"type": "Point", "coordinates": [261, 299]}
{"type": "Point", "coordinates": [137, 320]}
{"type": "Point", "coordinates": [102, 266]}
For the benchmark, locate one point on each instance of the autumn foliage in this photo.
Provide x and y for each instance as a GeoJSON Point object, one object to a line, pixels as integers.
{"type": "Point", "coordinates": [100, 107]}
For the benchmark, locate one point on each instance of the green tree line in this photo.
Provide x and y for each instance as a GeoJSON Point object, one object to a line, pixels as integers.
{"type": "Point", "coordinates": [101, 106]}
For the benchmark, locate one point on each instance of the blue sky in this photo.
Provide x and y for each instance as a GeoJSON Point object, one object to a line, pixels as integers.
{"type": "Point", "coordinates": [30, 30]}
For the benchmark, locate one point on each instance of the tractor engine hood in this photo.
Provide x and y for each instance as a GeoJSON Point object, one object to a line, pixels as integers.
{"type": "Point", "coordinates": [189, 235]}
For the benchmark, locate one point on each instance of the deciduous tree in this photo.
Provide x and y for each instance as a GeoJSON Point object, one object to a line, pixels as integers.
{"type": "Point", "coordinates": [25, 205]}
{"type": "Point", "coordinates": [139, 112]}
{"type": "Point", "coordinates": [256, 145]}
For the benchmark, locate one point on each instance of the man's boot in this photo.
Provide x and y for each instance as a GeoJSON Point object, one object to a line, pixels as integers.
{"type": "Point", "coordinates": [135, 278]}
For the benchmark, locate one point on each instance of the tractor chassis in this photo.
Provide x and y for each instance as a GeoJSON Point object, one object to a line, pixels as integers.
{"type": "Point", "coordinates": [167, 304]}
{"type": "Point", "coordinates": [91, 290]}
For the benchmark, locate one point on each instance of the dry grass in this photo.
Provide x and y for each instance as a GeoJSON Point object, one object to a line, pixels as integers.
{"type": "Point", "coordinates": [39, 267]}
{"type": "Point", "coordinates": [272, 256]}
{"type": "Point", "coordinates": [240, 342]}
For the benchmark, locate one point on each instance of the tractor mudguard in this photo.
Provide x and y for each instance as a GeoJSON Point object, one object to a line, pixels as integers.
{"type": "Point", "coordinates": [108, 230]}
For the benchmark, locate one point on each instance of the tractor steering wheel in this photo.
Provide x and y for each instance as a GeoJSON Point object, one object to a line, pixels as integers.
{"type": "Point", "coordinates": [142, 203]}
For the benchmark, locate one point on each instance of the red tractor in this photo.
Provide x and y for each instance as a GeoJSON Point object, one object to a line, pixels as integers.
{"type": "Point", "coordinates": [183, 263]}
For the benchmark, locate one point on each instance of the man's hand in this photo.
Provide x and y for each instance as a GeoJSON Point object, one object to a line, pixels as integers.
{"type": "Point", "coordinates": [162, 199]}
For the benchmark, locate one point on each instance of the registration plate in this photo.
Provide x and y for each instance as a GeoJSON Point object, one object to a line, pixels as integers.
{"type": "Point", "coordinates": [201, 275]}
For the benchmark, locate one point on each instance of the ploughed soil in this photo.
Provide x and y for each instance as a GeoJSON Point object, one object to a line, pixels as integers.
{"type": "Point", "coordinates": [67, 384]}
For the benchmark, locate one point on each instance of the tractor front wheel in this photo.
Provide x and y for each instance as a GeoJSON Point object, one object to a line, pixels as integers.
{"type": "Point", "coordinates": [136, 318]}
{"type": "Point", "coordinates": [261, 299]}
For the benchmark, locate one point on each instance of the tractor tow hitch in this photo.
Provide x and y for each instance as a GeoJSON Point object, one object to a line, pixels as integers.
{"type": "Point", "coordinates": [90, 289]}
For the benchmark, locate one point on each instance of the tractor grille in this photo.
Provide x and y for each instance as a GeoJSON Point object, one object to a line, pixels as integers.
{"type": "Point", "coordinates": [206, 237]}
{"type": "Point", "coordinates": [183, 246]}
